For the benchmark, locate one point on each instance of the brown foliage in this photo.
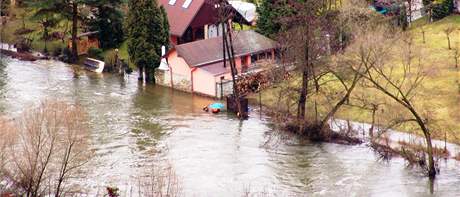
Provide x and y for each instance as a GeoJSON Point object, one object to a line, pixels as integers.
{"type": "Point", "coordinates": [52, 145]}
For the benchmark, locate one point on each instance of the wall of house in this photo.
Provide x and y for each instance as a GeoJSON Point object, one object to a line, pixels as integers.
{"type": "Point", "coordinates": [204, 82]}
{"type": "Point", "coordinates": [180, 72]}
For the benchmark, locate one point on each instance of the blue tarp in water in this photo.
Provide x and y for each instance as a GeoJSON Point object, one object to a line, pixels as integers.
{"type": "Point", "coordinates": [380, 10]}
{"type": "Point", "coordinates": [217, 106]}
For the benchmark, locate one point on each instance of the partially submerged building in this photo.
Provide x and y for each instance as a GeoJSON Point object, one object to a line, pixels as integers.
{"type": "Point", "coordinates": [198, 67]}
{"type": "Point", "coordinates": [194, 62]}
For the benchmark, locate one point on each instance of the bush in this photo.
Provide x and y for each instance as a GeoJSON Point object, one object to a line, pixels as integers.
{"type": "Point", "coordinates": [95, 53]}
{"type": "Point", "coordinates": [442, 9]}
{"type": "Point", "coordinates": [23, 44]}
{"type": "Point", "coordinates": [66, 55]}
{"type": "Point", "coordinates": [57, 52]}
{"type": "Point", "coordinates": [110, 60]}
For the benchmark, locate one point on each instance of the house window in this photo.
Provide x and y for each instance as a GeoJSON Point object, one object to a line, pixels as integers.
{"type": "Point", "coordinates": [262, 56]}
{"type": "Point", "coordinates": [172, 2]}
{"type": "Point", "coordinates": [187, 3]}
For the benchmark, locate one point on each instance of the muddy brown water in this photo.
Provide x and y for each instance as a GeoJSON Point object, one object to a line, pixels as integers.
{"type": "Point", "coordinates": [133, 126]}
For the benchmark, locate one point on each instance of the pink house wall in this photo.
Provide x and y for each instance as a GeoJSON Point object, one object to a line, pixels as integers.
{"type": "Point", "coordinates": [204, 82]}
{"type": "Point", "coordinates": [178, 64]}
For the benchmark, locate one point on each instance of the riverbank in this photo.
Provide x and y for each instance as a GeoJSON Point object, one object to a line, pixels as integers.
{"type": "Point", "coordinates": [24, 56]}
{"type": "Point", "coordinates": [132, 126]}
{"type": "Point", "coordinates": [439, 94]}
{"type": "Point", "coordinates": [348, 132]}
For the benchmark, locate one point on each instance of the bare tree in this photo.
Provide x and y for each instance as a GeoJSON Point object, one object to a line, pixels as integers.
{"type": "Point", "coordinates": [423, 31]}
{"type": "Point", "coordinates": [52, 144]}
{"type": "Point", "coordinates": [303, 42]}
{"type": "Point", "coordinates": [8, 139]}
{"type": "Point", "coordinates": [401, 87]}
{"type": "Point", "coordinates": [160, 181]}
{"type": "Point", "coordinates": [456, 54]}
{"type": "Point", "coordinates": [448, 31]}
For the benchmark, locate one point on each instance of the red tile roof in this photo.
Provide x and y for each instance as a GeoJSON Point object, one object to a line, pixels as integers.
{"type": "Point", "coordinates": [180, 18]}
{"type": "Point", "coordinates": [209, 51]}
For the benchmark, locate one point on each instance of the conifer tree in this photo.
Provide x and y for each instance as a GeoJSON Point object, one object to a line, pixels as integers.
{"type": "Point", "coordinates": [270, 13]}
{"type": "Point", "coordinates": [108, 22]}
{"type": "Point", "coordinates": [146, 31]}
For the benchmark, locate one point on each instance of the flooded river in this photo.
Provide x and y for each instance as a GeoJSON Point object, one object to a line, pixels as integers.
{"type": "Point", "coordinates": [133, 126]}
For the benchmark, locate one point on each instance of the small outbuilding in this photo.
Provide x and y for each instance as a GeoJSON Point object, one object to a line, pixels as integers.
{"type": "Point", "coordinates": [85, 41]}
{"type": "Point", "coordinates": [198, 67]}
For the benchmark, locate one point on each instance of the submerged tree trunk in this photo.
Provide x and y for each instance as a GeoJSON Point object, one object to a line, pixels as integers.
{"type": "Point", "coordinates": [141, 74]}
{"type": "Point", "coordinates": [429, 146]}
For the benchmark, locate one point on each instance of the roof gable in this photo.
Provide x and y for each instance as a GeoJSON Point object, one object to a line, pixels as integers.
{"type": "Point", "coordinates": [209, 51]}
{"type": "Point", "coordinates": [180, 16]}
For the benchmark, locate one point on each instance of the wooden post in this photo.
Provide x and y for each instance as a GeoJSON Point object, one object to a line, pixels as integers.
{"type": "Point", "coordinates": [206, 29]}
{"type": "Point", "coordinates": [260, 102]}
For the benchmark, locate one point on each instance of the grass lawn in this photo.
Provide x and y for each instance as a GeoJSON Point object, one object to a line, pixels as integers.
{"type": "Point", "coordinates": [439, 94]}
{"type": "Point", "coordinates": [17, 22]}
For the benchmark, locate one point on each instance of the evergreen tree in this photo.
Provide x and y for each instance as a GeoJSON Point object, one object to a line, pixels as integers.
{"type": "Point", "coordinates": [165, 29]}
{"type": "Point", "coordinates": [4, 7]}
{"type": "Point", "coordinates": [46, 17]}
{"type": "Point", "coordinates": [270, 13]}
{"type": "Point", "coordinates": [146, 34]}
{"type": "Point", "coordinates": [109, 23]}
{"type": "Point", "coordinates": [68, 9]}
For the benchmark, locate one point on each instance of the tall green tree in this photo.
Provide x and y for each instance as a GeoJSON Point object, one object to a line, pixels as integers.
{"type": "Point", "coordinates": [69, 9]}
{"type": "Point", "coordinates": [4, 7]}
{"type": "Point", "coordinates": [165, 29]}
{"type": "Point", "coordinates": [146, 30]}
{"type": "Point", "coordinates": [46, 17]}
{"type": "Point", "coordinates": [108, 22]}
{"type": "Point", "coordinates": [270, 14]}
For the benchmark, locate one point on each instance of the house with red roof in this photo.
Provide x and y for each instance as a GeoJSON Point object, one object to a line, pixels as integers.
{"type": "Point", "coordinates": [190, 20]}
{"type": "Point", "coordinates": [194, 62]}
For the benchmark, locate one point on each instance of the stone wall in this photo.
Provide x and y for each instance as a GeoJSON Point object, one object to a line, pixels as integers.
{"type": "Point", "coordinates": [181, 82]}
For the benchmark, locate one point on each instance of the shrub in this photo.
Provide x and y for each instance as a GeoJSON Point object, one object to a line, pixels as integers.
{"type": "Point", "coordinates": [23, 44]}
{"type": "Point", "coordinates": [95, 53]}
{"type": "Point", "coordinates": [66, 55]}
{"type": "Point", "coordinates": [57, 51]}
{"type": "Point", "coordinates": [442, 9]}
{"type": "Point", "coordinates": [110, 60]}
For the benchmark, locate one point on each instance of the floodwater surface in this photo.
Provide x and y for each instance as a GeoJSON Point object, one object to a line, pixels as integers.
{"type": "Point", "coordinates": [133, 126]}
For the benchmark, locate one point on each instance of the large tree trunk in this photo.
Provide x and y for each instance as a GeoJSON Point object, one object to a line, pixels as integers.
{"type": "Point", "coordinates": [74, 31]}
{"type": "Point", "coordinates": [341, 102]}
{"type": "Point", "coordinates": [429, 146]}
{"type": "Point", "coordinates": [303, 95]}
{"type": "Point", "coordinates": [149, 75]}
{"type": "Point", "coordinates": [304, 90]}
{"type": "Point", "coordinates": [141, 74]}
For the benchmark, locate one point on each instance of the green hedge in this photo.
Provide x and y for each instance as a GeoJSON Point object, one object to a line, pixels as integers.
{"type": "Point", "coordinates": [442, 9]}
